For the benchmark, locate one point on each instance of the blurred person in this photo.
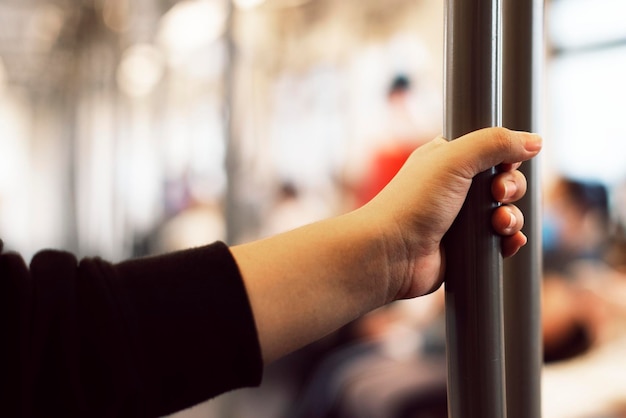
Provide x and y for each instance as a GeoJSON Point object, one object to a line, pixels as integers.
{"type": "Point", "coordinates": [403, 134]}
{"type": "Point", "coordinates": [189, 220]}
{"type": "Point", "coordinates": [576, 238]}
{"type": "Point", "coordinates": [616, 255]}
{"type": "Point", "coordinates": [291, 207]}
{"type": "Point", "coordinates": [576, 223]}
{"type": "Point", "coordinates": [150, 336]}
{"type": "Point", "coordinates": [584, 304]}
{"type": "Point", "coordinates": [195, 225]}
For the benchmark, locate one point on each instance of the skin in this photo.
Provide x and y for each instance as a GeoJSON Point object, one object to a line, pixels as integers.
{"type": "Point", "coordinates": [306, 283]}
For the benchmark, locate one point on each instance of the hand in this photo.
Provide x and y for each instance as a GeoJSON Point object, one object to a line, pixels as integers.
{"type": "Point", "coordinates": [419, 205]}
{"type": "Point", "coordinates": [307, 282]}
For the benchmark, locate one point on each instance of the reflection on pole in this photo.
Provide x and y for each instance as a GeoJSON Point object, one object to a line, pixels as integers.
{"type": "Point", "coordinates": [474, 311]}
{"type": "Point", "coordinates": [522, 65]}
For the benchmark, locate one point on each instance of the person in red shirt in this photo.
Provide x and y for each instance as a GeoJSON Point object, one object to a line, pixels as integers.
{"type": "Point", "coordinates": [404, 135]}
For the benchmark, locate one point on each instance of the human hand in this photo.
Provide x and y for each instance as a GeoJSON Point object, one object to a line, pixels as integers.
{"type": "Point", "coordinates": [307, 282]}
{"type": "Point", "coordinates": [419, 205]}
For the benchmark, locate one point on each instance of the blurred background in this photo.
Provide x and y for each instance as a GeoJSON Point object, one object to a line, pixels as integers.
{"type": "Point", "coordinates": [130, 128]}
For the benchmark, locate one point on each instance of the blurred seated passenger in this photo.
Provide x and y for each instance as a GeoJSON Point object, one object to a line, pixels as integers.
{"type": "Point", "coordinates": [576, 224]}
{"type": "Point", "coordinates": [576, 234]}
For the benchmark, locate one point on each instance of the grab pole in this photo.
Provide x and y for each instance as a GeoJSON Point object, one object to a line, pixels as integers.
{"type": "Point", "coordinates": [523, 55]}
{"type": "Point", "coordinates": [473, 287]}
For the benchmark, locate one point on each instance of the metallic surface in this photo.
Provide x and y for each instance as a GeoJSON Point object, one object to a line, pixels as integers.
{"type": "Point", "coordinates": [523, 54]}
{"type": "Point", "coordinates": [474, 294]}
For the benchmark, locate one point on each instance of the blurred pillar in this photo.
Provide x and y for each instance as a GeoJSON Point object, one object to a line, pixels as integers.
{"type": "Point", "coordinates": [244, 130]}
{"type": "Point", "coordinates": [522, 67]}
{"type": "Point", "coordinates": [232, 162]}
{"type": "Point", "coordinates": [474, 294]}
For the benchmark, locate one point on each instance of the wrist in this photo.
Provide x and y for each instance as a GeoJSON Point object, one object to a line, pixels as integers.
{"type": "Point", "coordinates": [386, 254]}
{"type": "Point", "coordinates": [413, 266]}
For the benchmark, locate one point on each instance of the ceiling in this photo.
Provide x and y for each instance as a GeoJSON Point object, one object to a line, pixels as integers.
{"type": "Point", "coordinates": [39, 39]}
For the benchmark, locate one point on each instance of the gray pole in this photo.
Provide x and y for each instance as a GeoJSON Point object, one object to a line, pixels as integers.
{"type": "Point", "coordinates": [474, 294]}
{"type": "Point", "coordinates": [522, 67]}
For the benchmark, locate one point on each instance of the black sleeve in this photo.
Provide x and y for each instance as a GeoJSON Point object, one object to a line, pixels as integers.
{"type": "Point", "coordinates": [143, 338]}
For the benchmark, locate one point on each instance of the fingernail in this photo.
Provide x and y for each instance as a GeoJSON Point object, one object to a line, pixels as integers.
{"type": "Point", "coordinates": [512, 220]}
{"type": "Point", "coordinates": [533, 143]}
{"type": "Point", "coordinates": [510, 188]}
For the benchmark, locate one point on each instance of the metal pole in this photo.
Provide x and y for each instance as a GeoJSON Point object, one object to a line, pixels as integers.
{"type": "Point", "coordinates": [474, 299]}
{"type": "Point", "coordinates": [522, 67]}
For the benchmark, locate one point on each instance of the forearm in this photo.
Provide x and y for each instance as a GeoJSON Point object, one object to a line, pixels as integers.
{"type": "Point", "coordinates": [306, 283]}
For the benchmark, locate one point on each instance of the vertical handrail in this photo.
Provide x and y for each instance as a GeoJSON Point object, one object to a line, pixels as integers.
{"type": "Point", "coordinates": [523, 54]}
{"type": "Point", "coordinates": [474, 294]}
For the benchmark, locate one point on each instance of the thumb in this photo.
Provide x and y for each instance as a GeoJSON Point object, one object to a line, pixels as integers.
{"type": "Point", "coordinates": [479, 150]}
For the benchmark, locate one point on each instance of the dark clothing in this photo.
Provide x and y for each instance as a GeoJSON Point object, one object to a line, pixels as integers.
{"type": "Point", "coordinates": [143, 338]}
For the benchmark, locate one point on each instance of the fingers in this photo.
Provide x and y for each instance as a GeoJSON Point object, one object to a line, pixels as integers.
{"type": "Point", "coordinates": [508, 220]}
{"type": "Point", "coordinates": [480, 150]}
{"type": "Point", "coordinates": [509, 186]}
{"type": "Point", "coordinates": [511, 245]}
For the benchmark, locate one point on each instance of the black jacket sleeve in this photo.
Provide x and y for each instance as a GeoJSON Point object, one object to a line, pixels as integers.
{"type": "Point", "coordinates": [143, 338]}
